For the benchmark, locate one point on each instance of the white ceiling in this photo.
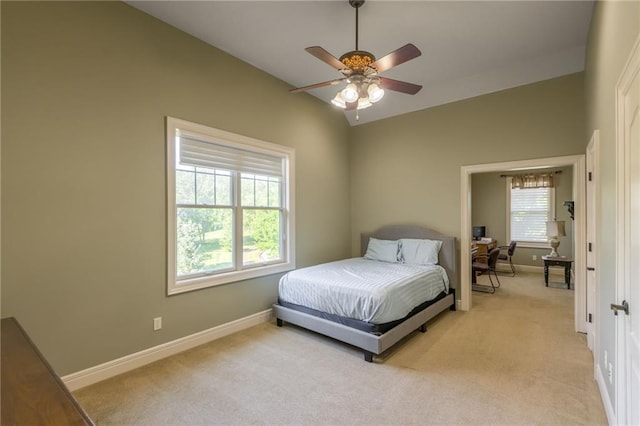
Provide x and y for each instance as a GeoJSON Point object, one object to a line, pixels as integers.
{"type": "Point", "coordinates": [469, 48]}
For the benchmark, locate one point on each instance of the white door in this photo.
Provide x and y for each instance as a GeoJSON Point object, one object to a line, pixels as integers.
{"type": "Point", "coordinates": [592, 244]}
{"type": "Point", "coordinates": [628, 250]}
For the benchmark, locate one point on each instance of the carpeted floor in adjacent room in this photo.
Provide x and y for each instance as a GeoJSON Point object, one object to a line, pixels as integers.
{"type": "Point", "coordinates": [513, 359]}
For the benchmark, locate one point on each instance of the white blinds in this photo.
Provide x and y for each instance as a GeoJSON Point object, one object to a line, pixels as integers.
{"type": "Point", "coordinates": [197, 150]}
{"type": "Point", "coordinates": [530, 210]}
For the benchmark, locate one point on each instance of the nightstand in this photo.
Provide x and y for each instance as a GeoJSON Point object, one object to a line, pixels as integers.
{"type": "Point", "coordinates": [565, 262]}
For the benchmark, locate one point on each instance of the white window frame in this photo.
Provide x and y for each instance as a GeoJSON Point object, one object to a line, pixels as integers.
{"type": "Point", "coordinates": [287, 263]}
{"type": "Point", "coordinates": [552, 209]}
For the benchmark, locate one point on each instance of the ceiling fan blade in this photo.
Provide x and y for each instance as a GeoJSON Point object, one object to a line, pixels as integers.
{"type": "Point", "coordinates": [327, 57]}
{"type": "Point", "coordinates": [315, 86]}
{"type": "Point", "coordinates": [397, 57]}
{"type": "Point", "coordinates": [399, 86]}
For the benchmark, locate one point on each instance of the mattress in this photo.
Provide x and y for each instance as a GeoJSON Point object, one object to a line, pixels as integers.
{"type": "Point", "coordinates": [366, 290]}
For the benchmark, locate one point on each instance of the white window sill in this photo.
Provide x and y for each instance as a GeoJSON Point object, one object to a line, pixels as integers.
{"type": "Point", "coordinates": [524, 244]}
{"type": "Point", "coordinates": [226, 278]}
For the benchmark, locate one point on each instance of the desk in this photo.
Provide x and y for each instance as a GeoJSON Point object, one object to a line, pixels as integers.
{"type": "Point", "coordinates": [482, 251]}
{"type": "Point", "coordinates": [479, 252]}
{"type": "Point", "coordinates": [557, 261]}
{"type": "Point", "coordinates": [474, 253]}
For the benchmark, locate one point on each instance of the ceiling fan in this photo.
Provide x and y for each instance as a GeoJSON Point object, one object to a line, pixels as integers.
{"type": "Point", "coordinates": [361, 72]}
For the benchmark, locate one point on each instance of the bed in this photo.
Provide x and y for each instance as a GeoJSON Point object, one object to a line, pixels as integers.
{"type": "Point", "coordinates": [373, 329]}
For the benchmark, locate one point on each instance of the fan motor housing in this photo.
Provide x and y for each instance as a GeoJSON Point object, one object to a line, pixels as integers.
{"type": "Point", "coordinates": [358, 60]}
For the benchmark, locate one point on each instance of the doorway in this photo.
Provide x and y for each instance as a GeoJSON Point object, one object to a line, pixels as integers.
{"type": "Point", "coordinates": [578, 164]}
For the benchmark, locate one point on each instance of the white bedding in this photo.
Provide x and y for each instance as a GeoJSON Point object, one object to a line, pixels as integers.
{"type": "Point", "coordinates": [367, 290]}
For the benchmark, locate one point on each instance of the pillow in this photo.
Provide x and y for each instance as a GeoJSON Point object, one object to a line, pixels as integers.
{"type": "Point", "coordinates": [382, 250]}
{"type": "Point", "coordinates": [419, 252]}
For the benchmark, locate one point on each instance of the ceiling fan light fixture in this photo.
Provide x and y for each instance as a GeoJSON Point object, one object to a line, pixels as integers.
{"type": "Point", "coordinates": [339, 101]}
{"type": "Point", "coordinates": [350, 93]}
{"type": "Point", "coordinates": [363, 103]}
{"type": "Point", "coordinates": [360, 70]}
{"type": "Point", "coordinates": [375, 93]}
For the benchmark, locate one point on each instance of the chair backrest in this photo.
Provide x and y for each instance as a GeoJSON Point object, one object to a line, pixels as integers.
{"type": "Point", "coordinates": [493, 258]}
{"type": "Point", "coordinates": [512, 248]}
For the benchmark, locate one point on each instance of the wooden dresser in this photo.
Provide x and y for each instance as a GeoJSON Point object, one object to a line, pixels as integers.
{"type": "Point", "coordinates": [32, 393]}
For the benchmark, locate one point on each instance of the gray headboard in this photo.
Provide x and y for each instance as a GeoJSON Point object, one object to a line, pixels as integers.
{"type": "Point", "coordinates": [447, 256]}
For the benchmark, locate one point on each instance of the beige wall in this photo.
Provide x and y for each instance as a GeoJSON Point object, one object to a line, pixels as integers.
{"type": "Point", "coordinates": [86, 87]}
{"type": "Point", "coordinates": [406, 169]}
{"type": "Point", "coordinates": [489, 208]}
{"type": "Point", "coordinates": [615, 26]}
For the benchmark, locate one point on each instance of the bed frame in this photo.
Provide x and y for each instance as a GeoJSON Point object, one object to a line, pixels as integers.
{"type": "Point", "coordinates": [373, 344]}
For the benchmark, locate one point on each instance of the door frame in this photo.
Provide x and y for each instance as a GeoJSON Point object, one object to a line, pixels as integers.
{"type": "Point", "coordinates": [579, 186]}
{"type": "Point", "coordinates": [592, 156]}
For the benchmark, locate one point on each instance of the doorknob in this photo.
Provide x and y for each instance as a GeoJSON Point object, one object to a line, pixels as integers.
{"type": "Point", "coordinates": [624, 307]}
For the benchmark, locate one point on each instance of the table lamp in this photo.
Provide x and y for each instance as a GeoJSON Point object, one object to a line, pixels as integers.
{"type": "Point", "coordinates": [555, 229]}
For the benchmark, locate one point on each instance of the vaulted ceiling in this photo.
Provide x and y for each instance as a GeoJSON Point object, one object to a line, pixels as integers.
{"type": "Point", "coordinates": [469, 48]}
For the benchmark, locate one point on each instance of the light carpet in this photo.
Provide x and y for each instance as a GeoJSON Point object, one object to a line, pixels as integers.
{"type": "Point", "coordinates": [513, 359]}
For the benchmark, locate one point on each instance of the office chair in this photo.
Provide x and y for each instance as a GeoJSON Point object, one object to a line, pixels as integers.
{"type": "Point", "coordinates": [511, 248]}
{"type": "Point", "coordinates": [490, 267]}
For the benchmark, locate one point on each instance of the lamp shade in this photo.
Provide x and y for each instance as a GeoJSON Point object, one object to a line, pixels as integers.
{"type": "Point", "coordinates": [350, 93]}
{"type": "Point", "coordinates": [555, 228]}
{"type": "Point", "coordinates": [363, 103]}
{"type": "Point", "coordinates": [339, 101]}
{"type": "Point", "coordinates": [375, 93]}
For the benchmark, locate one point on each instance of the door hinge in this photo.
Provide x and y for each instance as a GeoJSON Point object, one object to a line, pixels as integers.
{"type": "Point", "coordinates": [590, 318]}
{"type": "Point", "coordinates": [590, 247]}
{"type": "Point", "coordinates": [590, 176]}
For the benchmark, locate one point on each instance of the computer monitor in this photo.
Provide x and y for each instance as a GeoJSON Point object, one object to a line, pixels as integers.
{"type": "Point", "coordinates": [479, 232]}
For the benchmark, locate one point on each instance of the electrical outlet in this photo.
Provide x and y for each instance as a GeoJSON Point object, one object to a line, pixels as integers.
{"type": "Point", "coordinates": [534, 257]}
{"type": "Point", "coordinates": [610, 372]}
{"type": "Point", "coordinates": [157, 323]}
{"type": "Point", "coordinates": [606, 358]}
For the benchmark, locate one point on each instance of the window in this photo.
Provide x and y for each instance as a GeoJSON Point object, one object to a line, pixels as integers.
{"type": "Point", "coordinates": [529, 210]}
{"type": "Point", "coordinates": [229, 209]}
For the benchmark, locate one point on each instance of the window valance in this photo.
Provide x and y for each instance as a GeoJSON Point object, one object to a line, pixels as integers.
{"type": "Point", "coordinates": [532, 181]}
{"type": "Point", "coordinates": [538, 180]}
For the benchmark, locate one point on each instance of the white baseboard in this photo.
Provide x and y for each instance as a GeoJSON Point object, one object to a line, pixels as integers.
{"type": "Point", "coordinates": [112, 368]}
{"type": "Point", "coordinates": [604, 395]}
{"type": "Point", "coordinates": [458, 304]}
{"type": "Point", "coordinates": [504, 267]}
